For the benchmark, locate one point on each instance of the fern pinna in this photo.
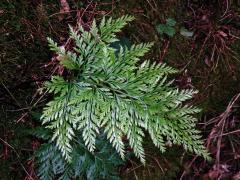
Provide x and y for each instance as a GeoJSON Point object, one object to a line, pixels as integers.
{"type": "Point", "coordinates": [111, 92]}
{"type": "Point", "coordinates": [84, 165]}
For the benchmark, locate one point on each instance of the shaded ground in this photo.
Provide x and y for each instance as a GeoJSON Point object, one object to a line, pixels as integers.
{"type": "Point", "coordinates": [204, 60]}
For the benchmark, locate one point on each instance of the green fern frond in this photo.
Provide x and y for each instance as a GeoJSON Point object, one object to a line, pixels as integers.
{"type": "Point", "coordinates": [110, 92]}
{"type": "Point", "coordinates": [109, 27]}
{"type": "Point", "coordinates": [84, 165]}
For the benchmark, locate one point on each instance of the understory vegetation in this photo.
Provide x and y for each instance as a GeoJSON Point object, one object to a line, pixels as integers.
{"type": "Point", "coordinates": [117, 89]}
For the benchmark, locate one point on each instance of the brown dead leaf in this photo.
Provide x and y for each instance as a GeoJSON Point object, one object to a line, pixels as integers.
{"type": "Point", "coordinates": [65, 9]}
{"type": "Point", "coordinates": [64, 6]}
{"type": "Point", "coordinates": [223, 34]}
{"type": "Point", "coordinates": [1, 12]}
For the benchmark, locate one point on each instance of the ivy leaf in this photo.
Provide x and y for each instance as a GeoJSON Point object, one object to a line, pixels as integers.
{"type": "Point", "coordinates": [170, 31]}
{"type": "Point", "coordinates": [161, 28]}
{"type": "Point", "coordinates": [164, 29]}
{"type": "Point", "coordinates": [170, 22]}
{"type": "Point", "coordinates": [167, 28]}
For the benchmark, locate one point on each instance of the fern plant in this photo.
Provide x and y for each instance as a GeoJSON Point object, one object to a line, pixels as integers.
{"type": "Point", "coordinates": [114, 93]}
{"type": "Point", "coordinates": [84, 165]}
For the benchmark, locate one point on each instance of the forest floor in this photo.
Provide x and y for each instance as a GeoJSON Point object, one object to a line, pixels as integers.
{"type": "Point", "coordinates": [199, 38]}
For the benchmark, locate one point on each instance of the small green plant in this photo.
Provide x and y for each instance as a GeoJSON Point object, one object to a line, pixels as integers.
{"type": "Point", "coordinates": [109, 93]}
{"type": "Point", "coordinates": [167, 28]}
{"type": "Point", "coordinates": [84, 165]}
